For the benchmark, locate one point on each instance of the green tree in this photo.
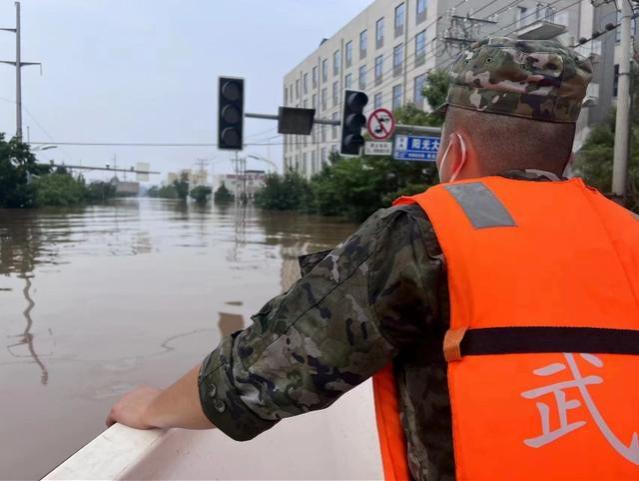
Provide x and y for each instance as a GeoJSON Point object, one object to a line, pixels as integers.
{"type": "Point", "coordinates": [59, 189]}
{"type": "Point", "coordinates": [288, 192]}
{"type": "Point", "coordinates": [595, 159]}
{"type": "Point", "coordinates": [200, 194]}
{"type": "Point", "coordinates": [181, 186]}
{"type": "Point", "coordinates": [223, 194]}
{"type": "Point", "coordinates": [435, 92]}
{"type": "Point", "coordinates": [100, 191]}
{"type": "Point", "coordinates": [17, 168]}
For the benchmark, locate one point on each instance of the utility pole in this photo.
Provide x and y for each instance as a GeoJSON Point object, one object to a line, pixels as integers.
{"type": "Point", "coordinates": [18, 65]}
{"type": "Point", "coordinates": [622, 126]}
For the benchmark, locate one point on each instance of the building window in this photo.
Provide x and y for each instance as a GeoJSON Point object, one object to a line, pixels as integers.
{"type": "Point", "coordinates": [297, 88]}
{"type": "Point", "coordinates": [348, 81]}
{"type": "Point", "coordinates": [421, 11]}
{"type": "Point", "coordinates": [335, 93]}
{"type": "Point", "coordinates": [363, 43]}
{"type": "Point", "coordinates": [418, 94]}
{"type": "Point", "coordinates": [334, 127]}
{"type": "Point", "coordinates": [337, 60]}
{"type": "Point", "coordinates": [379, 33]}
{"type": "Point", "coordinates": [420, 48]}
{"type": "Point", "coordinates": [313, 161]}
{"type": "Point", "coordinates": [285, 95]}
{"type": "Point", "coordinates": [323, 133]}
{"type": "Point", "coordinates": [305, 83]}
{"type": "Point", "coordinates": [314, 102]}
{"type": "Point", "coordinates": [362, 77]}
{"type": "Point", "coordinates": [314, 77]}
{"type": "Point", "coordinates": [397, 96]}
{"type": "Point", "coordinates": [400, 19]}
{"type": "Point", "coordinates": [377, 100]}
{"type": "Point", "coordinates": [398, 59]}
{"type": "Point", "coordinates": [324, 70]}
{"type": "Point", "coordinates": [304, 163]}
{"type": "Point", "coordinates": [349, 53]}
{"type": "Point", "coordinates": [521, 17]}
{"type": "Point", "coordinates": [324, 155]}
{"type": "Point", "coordinates": [379, 69]}
{"type": "Point", "coordinates": [562, 18]}
{"type": "Point", "coordinates": [323, 99]}
{"type": "Point", "coordinates": [615, 85]}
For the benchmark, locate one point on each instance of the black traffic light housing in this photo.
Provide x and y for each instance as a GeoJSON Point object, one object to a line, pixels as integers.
{"type": "Point", "coordinates": [353, 121]}
{"type": "Point", "coordinates": [230, 118]}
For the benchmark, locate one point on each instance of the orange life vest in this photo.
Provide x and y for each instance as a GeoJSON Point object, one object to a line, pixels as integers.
{"type": "Point", "coordinates": [542, 350]}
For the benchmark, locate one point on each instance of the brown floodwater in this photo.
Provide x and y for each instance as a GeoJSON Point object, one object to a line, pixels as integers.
{"type": "Point", "coordinates": [96, 300]}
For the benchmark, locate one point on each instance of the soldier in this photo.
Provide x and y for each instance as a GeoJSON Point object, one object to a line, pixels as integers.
{"type": "Point", "coordinates": [461, 301]}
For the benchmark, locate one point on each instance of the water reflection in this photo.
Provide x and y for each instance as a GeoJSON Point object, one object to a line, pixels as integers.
{"type": "Point", "coordinates": [103, 298]}
{"type": "Point", "coordinates": [27, 337]}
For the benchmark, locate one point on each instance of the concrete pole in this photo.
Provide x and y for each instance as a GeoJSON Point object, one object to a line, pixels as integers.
{"type": "Point", "coordinates": [18, 77]}
{"type": "Point", "coordinates": [622, 127]}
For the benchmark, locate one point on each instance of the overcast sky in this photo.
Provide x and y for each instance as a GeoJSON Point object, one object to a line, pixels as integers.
{"type": "Point", "coordinates": [146, 70]}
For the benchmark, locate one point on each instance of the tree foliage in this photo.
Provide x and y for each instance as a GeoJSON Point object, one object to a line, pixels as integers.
{"type": "Point", "coordinates": [223, 194]}
{"type": "Point", "coordinates": [595, 159]}
{"type": "Point", "coordinates": [290, 191]}
{"type": "Point", "coordinates": [200, 194]}
{"type": "Point", "coordinates": [181, 186]}
{"type": "Point", "coordinates": [17, 168]}
{"type": "Point", "coordinates": [59, 189]}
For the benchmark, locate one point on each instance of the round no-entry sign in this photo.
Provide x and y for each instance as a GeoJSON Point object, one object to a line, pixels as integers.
{"type": "Point", "coordinates": [381, 124]}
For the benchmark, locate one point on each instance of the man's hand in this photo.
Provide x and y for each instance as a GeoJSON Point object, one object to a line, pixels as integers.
{"type": "Point", "coordinates": [177, 406]}
{"type": "Point", "coordinates": [133, 409]}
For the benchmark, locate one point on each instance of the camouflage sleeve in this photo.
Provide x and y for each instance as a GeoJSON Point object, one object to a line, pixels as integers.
{"type": "Point", "coordinates": [315, 342]}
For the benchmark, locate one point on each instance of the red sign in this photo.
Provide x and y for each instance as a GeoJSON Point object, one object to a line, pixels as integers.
{"type": "Point", "coordinates": [381, 124]}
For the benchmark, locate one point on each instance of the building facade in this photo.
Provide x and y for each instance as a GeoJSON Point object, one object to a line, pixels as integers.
{"type": "Point", "coordinates": [388, 49]}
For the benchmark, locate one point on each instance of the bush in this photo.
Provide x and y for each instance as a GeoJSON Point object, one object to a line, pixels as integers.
{"type": "Point", "coordinates": [100, 192]}
{"type": "Point", "coordinates": [17, 168]}
{"type": "Point", "coordinates": [223, 195]}
{"type": "Point", "coordinates": [200, 194]}
{"type": "Point", "coordinates": [59, 189]}
{"type": "Point", "coordinates": [181, 186]}
{"type": "Point", "coordinates": [288, 192]}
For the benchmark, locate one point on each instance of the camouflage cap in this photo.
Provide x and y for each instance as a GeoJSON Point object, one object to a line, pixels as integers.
{"type": "Point", "coordinates": [536, 79]}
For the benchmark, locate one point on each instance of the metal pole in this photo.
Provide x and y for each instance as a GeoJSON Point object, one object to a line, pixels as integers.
{"type": "Point", "coordinates": [622, 127]}
{"type": "Point", "coordinates": [18, 77]}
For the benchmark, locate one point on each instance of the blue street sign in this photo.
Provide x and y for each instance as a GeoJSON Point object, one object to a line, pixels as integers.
{"type": "Point", "coordinates": [415, 147]}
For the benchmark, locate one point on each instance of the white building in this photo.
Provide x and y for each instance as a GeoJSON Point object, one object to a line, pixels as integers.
{"type": "Point", "coordinates": [249, 182]}
{"type": "Point", "coordinates": [388, 49]}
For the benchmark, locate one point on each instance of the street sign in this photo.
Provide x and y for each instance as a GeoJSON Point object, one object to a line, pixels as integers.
{"type": "Point", "coordinates": [415, 147]}
{"type": "Point", "coordinates": [381, 124]}
{"type": "Point", "coordinates": [378, 148]}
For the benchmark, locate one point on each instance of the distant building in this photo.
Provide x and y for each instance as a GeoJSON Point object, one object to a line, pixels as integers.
{"type": "Point", "coordinates": [249, 183]}
{"type": "Point", "coordinates": [195, 177]}
{"type": "Point", "coordinates": [124, 188]}
{"type": "Point", "coordinates": [388, 49]}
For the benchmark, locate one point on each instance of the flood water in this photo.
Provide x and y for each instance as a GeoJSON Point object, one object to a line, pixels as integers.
{"type": "Point", "coordinates": [97, 300]}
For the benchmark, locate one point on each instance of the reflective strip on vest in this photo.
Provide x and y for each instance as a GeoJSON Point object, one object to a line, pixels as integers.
{"type": "Point", "coordinates": [480, 205]}
{"type": "Point", "coordinates": [544, 329]}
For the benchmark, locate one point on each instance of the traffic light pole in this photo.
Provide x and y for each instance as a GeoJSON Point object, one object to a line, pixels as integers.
{"type": "Point", "coordinates": [622, 127]}
{"type": "Point", "coordinates": [277, 117]}
{"type": "Point", "coordinates": [403, 128]}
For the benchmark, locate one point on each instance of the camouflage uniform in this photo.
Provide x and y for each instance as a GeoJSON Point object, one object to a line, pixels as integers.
{"type": "Point", "coordinates": [382, 295]}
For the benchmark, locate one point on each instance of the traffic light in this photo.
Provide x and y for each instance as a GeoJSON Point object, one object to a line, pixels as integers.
{"type": "Point", "coordinates": [230, 118]}
{"type": "Point", "coordinates": [353, 120]}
